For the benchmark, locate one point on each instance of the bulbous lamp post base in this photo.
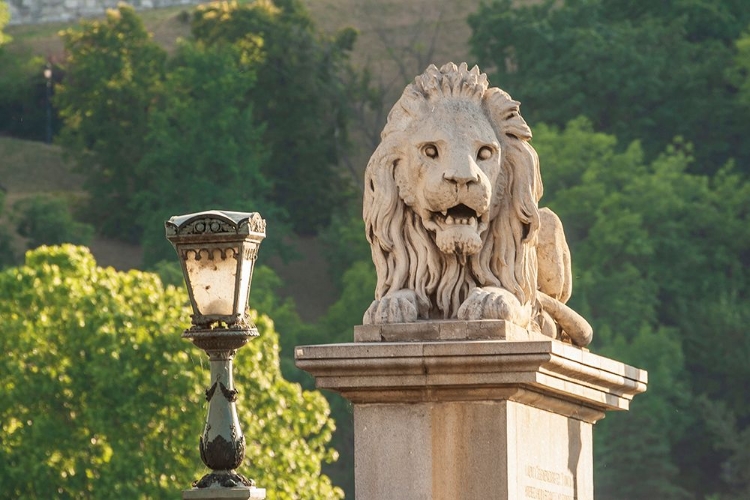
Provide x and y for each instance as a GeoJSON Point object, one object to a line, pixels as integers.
{"type": "Point", "coordinates": [222, 444]}
{"type": "Point", "coordinates": [225, 479]}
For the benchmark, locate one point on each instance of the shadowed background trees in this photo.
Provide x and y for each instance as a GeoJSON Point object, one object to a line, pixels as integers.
{"type": "Point", "coordinates": [299, 96]}
{"type": "Point", "coordinates": [4, 18]}
{"type": "Point", "coordinates": [658, 226]}
{"type": "Point", "coordinates": [640, 71]}
{"type": "Point", "coordinates": [248, 109]}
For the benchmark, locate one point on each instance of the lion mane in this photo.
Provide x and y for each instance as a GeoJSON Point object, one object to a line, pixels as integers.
{"type": "Point", "coordinates": [404, 251]}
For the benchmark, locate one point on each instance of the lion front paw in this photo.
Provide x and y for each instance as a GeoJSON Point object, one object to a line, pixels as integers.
{"type": "Point", "coordinates": [396, 307]}
{"type": "Point", "coordinates": [493, 303]}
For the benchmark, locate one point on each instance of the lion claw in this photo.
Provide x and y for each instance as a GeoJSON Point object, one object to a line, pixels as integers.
{"type": "Point", "coordinates": [492, 303]}
{"type": "Point", "coordinates": [397, 307]}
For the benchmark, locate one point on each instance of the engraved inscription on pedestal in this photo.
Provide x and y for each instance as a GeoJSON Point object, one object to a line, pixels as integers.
{"type": "Point", "coordinates": [544, 484]}
{"type": "Point", "coordinates": [553, 453]}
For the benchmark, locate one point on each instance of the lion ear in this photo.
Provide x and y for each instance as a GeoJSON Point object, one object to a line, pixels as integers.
{"type": "Point", "coordinates": [505, 113]}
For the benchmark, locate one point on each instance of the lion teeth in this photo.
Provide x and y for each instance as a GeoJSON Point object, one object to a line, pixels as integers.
{"type": "Point", "coordinates": [465, 221]}
{"type": "Point", "coordinates": [444, 212]}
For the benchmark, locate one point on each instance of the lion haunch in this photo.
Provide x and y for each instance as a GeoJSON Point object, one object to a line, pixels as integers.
{"type": "Point", "coordinates": [451, 209]}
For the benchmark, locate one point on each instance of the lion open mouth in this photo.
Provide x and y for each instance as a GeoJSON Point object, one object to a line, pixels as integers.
{"type": "Point", "coordinates": [458, 215]}
{"type": "Point", "coordinates": [458, 231]}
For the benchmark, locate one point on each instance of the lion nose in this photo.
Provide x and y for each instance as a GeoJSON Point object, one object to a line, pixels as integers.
{"type": "Point", "coordinates": [463, 172]}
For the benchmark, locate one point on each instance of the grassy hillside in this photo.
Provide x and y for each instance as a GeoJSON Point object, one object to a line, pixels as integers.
{"type": "Point", "coordinates": [34, 167]}
{"type": "Point", "coordinates": [30, 168]}
{"type": "Point", "coordinates": [397, 40]}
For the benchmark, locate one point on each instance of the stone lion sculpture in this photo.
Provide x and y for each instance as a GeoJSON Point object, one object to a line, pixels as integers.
{"type": "Point", "coordinates": [451, 209]}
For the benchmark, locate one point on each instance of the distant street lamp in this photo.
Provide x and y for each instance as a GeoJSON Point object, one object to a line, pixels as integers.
{"type": "Point", "coordinates": [48, 77]}
{"type": "Point", "coordinates": [217, 251]}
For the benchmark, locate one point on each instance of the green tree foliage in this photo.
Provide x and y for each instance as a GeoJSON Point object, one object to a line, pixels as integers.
{"type": "Point", "coordinates": [742, 68]}
{"type": "Point", "coordinates": [4, 18]}
{"type": "Point", "coordinates": [726, 434]}
{"type": "Point", "coordinates": [345, 243]}
{"type": "Point", "coordinates": [155, 138]}
{"type": "Point", "coordinates": [48, 221]}
{"type": "Point", "coordinates": [638, 70]}
{"type": "Point", "coordinates": [300, 96]}
{"type": "Point", "coordinates": [635, 451]}
{"type": "Point", "coordinates": [114, 72]}
{"type": "Point", "coordinates": [660, 263]}
{"type": "Point", "coordinates": [202, 148]}
{"type": "Point", "coordinates": [101, 398]}
{"type": "Point", "coordinates": [7, 253]}
{"type": "Point", "coordinates": [265, 297]}
{"type": "Point", "coordinates": [23, 97]}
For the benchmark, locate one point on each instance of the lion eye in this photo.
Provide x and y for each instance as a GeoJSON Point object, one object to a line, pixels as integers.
{"type": "Point", "coordinates": [485, 153]}
{"type": "Point", "coordinates": [430, 150]}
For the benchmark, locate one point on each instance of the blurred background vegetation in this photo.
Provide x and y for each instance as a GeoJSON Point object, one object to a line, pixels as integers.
{"type": "Point", "coordinates": [640, 113]}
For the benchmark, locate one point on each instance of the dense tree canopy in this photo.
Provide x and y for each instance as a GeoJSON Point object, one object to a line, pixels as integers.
{"type": "Point", "coordinates": [114, 72]}
{"type": "Point", "coordinates": [251, 109]}
{"type": "Point", "coordinates": [101, 398]}
{"type": "Point", "coordinates": [203, 147]}
{"type": "Point", "coordinates": [23, 97]}
{"type": "Point", "coordinates": [661, 259]}
{"type": "Point", "coordinates": [49, 221]}
{"type": "Point", "coordinates": [742, 70]}
{"type": "Point", "coordinates": [300, 96]}
{"type": "Point", "coordinates": [644, 71]}
{"type": "Point", "coordinates": [7, 256]}
{"type": "Point", "coordinates": [4, 18]}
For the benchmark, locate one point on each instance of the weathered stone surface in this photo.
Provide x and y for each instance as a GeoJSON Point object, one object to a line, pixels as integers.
{"type": "Point", "coordinates": [217, 493]}
{"type": "Point", "coordinates": [493, 329]}
{"type": "Point", "coordinates": [545, 374]}
{"type": "Point", "coordinates": [451, 209]}
{"type": "Point", "coordinates": [468, 419]}
{"type": "Point", "coordinates": [470, 450]}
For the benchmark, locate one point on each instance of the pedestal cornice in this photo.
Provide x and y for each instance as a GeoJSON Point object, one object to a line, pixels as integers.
{"type": "Point", "coordinates": [546, 374]}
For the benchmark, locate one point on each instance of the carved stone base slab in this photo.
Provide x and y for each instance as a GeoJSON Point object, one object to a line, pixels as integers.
{"type": "Point", "coordinates": [423, 331]}
{"type": "Point", "coordinates": [217, 493]}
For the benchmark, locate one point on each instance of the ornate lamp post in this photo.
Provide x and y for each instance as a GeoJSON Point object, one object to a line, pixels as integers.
{"type": "Point", "coordinates": [217, 251]}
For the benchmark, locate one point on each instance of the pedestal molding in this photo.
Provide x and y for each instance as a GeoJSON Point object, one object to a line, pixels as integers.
{"type": "Point", "coordinates": [546, 374]}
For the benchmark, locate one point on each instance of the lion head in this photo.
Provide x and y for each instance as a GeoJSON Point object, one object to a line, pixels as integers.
{"type": "Point", "coordinates": [452, 192]}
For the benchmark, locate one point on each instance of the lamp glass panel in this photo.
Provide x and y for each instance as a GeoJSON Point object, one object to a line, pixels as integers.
{"type": "Point", "coordinates": [212, 276]}
{"type": "Point", "coordinates": [247, 270]}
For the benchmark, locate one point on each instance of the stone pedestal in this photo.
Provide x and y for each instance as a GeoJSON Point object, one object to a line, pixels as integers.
{"type": "Point", "coordinates": [218, 493]}
{"type": "Point", "coordinates": [483, 410]}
